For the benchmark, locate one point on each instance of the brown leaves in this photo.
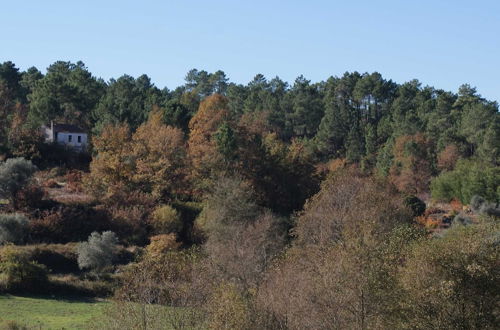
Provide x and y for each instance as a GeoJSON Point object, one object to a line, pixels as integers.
{"type": "Point", "coordinates": [112, 166]}
{"type": "Point", "coordinates": [159, 155]}
{"type": "Point", "coordinates": [152, 159]}
{"type": "Point", "coordinates": [202, 148]}
{"type": "Point", "coordinates": [411, 170]}
{"type": "Point", "coordinates": [448, 158]}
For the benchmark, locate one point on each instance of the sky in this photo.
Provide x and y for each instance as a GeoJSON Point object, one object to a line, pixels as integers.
{"type": "Point", "coordinates": [441, 43]}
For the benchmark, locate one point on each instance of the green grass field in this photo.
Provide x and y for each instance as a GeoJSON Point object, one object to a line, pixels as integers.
{"type": "Point", "coordinates": [48, 313]}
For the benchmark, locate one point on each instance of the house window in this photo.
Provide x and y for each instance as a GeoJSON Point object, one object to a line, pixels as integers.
{"type": "Point", "coordinates": [79, 139]}
{"type": "Point", "coordinates": [70, 137]}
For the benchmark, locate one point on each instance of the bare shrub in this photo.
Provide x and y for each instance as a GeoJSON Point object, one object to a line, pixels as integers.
{"type": "Point", "coordinates": [339, 272]}
{"type": "Point", "coordinates": [349, 203]}
{"type": "Point", "coordinates": [160, 292]}
{"type": "Point", "coordinates": [244, 257]}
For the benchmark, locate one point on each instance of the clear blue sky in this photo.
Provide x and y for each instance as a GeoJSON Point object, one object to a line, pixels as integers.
{"type": "Point", "coordinates": [441, 43]}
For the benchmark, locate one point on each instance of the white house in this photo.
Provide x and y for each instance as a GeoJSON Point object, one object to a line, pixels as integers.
{"type": "Point", "coordinates": [69, 135]}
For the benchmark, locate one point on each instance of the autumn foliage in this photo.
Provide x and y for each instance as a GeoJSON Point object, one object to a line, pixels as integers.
{"type": "Point", "coordinates": [152, 159]}
{"type": "Point", "coordinates": [448, 157]}
{"type": "Point", "coordinates": [412, 165]}
{"type": "Point", "coordinates": [159, 155]}
{"type": "Point", "coordinates": [202, 148]}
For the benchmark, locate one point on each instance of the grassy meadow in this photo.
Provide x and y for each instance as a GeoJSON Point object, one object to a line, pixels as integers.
{"type": "Point", "coordinates": [48, 313]}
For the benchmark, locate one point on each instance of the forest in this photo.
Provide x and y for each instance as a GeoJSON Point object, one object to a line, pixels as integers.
{"type": "Point", "coordinates": [351, 203]}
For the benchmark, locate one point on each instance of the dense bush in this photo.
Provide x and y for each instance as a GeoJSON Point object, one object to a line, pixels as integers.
{"type": "Point", "coordinates": [15, 173]}
{"type": "Point", "coordinates": [415, 204]}
{"type": "Point", "coordinates": [63, 258]}
{"type": "Point", "coordinates": [129, 213]}
{"type": "Point", "coordinates": [166, 278]}
{"type": "Point", "coordinates": [19, 274]}
{"type": "Point", "coordinates": [452, 281]}
{"type": "Point", "coordinates": [78, 286]}
{"type": "Point", "coordinates": [228, 309]}
{"type": "Point", "coordinates": [98, 252]}
{"type": "Point", "coordinates": [161, 244]}
{"type": "Point", "coordinates": [58, 258]}
{"type": "Point", "coordinates": [469, 178]}
{"type": "Point", "coordinates": [31, 197]}
{"type": "Point", "coordinates": [188, 212]}
{"type": "Point", "coordinates": [165, 219]}
{"type": "Point", "coordinates": [13, 228]}
{"type": "Point", "coordinates": [68, 223]}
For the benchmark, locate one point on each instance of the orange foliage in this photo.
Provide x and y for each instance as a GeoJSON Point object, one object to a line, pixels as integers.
{"type": "Point", "coordinates": [411, 169]}
{"type": "Point", "coordinates": [456, 205]}
{"type": "Point", "coordinates": [433, 210]}
{"type": "Point", "coordinates": [159, 155]}
{"type": "Point", "coordinates": [428, 222]}
{"type": "Point", "coordinates": [448, 157]}
{"type": "Point", "coordinates": [112, 166]}
{"type": "Point", "coordinates": [202, 147]}
{"type": "Point", "coordinates": [337, 164]}
{"type": "Point", "coordinates": [255, 122]}
{"type": "Point", "coordinates": [152, 159]}
{"type": "Point", "coordinates": [162, 243]}
{"type": "Point", "coordinates": [332, 166]}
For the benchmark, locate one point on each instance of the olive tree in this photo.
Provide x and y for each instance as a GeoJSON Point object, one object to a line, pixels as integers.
{"type": "Point", "coordinates": [12, 228]}
{"type": "Point", "coordinates": [15, 173]}
{"type": "Point", "coordinates": [98, 252]}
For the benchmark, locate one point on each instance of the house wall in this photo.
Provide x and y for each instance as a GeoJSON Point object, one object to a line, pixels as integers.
{"type": "Point", "coordinates": [63, 138]}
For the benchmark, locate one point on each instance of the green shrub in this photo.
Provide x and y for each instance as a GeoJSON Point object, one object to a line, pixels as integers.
{"type": "Point", "coordinates": [72, 285]}
{"type": "Point", "coordinates": [469, 178]}
{"type": "Point", "coordinates": [228, 309]}
{"type": "Point", "coordinates": [18, 273]}
{"type": "Point", "coordinates": [58, 258]}
{"type": "Point", "coordinates": [451, 281]}
{"type": "Point", "coordinates": [13, 228]}
{"type": "Point", "coordinates": [166, 220]}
